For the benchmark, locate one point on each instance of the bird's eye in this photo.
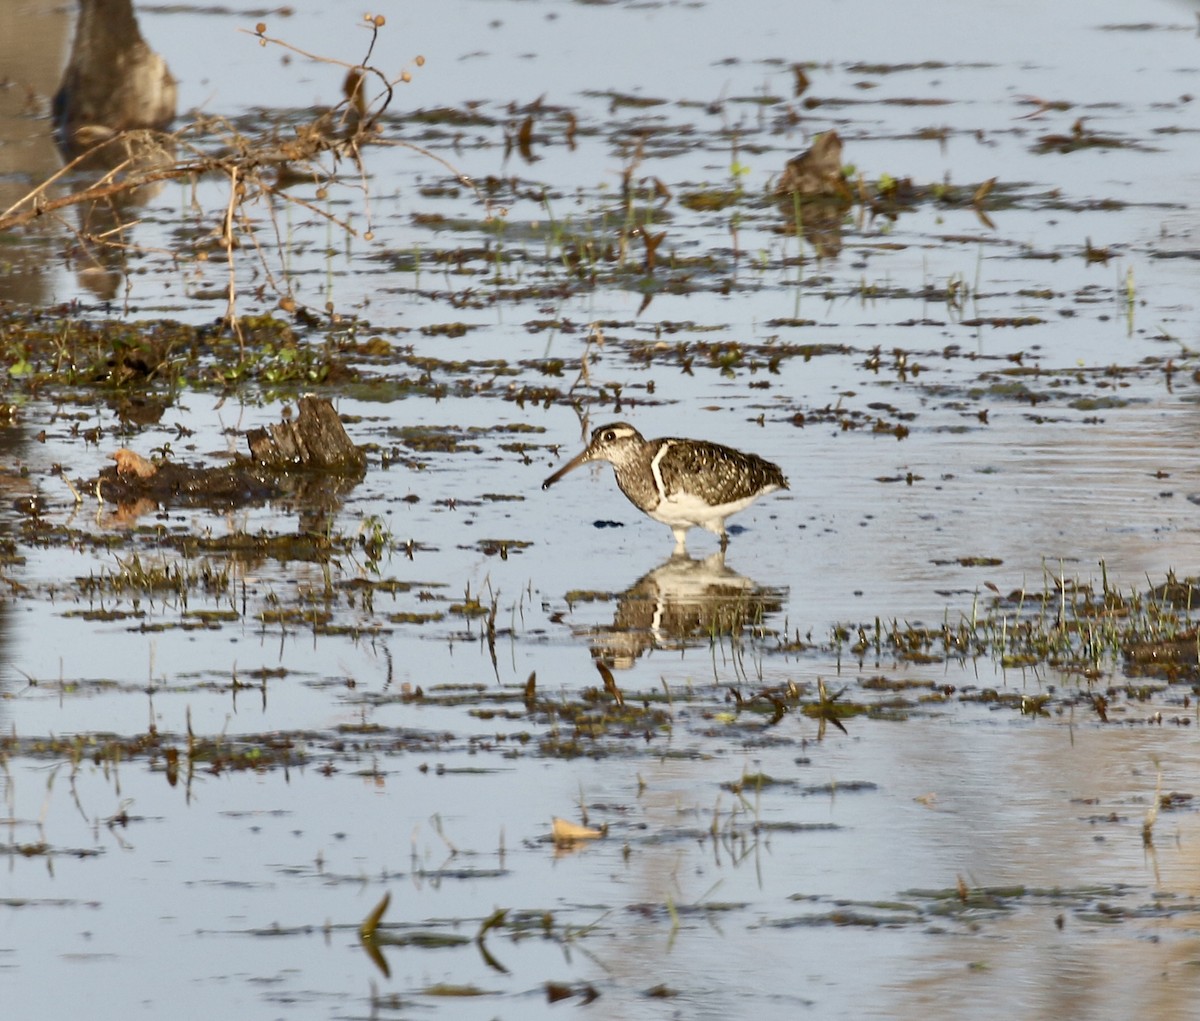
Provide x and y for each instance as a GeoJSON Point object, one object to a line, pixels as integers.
{"type": "Point", "coordinates": [609, 436]}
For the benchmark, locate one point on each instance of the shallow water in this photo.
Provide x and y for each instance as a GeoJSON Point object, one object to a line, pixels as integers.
{"type": "Point", "coordinates": [857, 884]}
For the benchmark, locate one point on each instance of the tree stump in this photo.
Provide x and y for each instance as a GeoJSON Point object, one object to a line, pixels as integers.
{"type": "Point", "coordinates": [315, 439]}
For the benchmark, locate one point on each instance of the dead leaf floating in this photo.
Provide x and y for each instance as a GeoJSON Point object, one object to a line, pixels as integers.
{"type": "Point", "coordinates": [567, 834]}
{"type": "Point", "coordinates": [131, 464]}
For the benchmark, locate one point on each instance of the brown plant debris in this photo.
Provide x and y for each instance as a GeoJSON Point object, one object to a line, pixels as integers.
{"type": "Point", "coordinates": [282, 457]}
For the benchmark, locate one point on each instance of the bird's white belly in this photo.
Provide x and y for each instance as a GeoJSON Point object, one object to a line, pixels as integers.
{"type": "Point", "coordinates": [686, 509]}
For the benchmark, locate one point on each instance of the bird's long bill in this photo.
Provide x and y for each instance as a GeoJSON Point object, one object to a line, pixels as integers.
{"type": "Point", "coordinates": [571, 465]}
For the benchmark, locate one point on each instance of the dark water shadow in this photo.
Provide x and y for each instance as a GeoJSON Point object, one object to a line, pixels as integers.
{"type": "Point", "coordinates": [33, 43]}
{"type": "Point", "coordinates": [18, 498]}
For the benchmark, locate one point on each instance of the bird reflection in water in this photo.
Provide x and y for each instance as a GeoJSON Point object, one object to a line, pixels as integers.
{"type": "Point", "coordinates": [113, 81]}
{"type": "Point", "coordinates": [684, 602]}
{"type": "Point", "coordinates": [116, 98]}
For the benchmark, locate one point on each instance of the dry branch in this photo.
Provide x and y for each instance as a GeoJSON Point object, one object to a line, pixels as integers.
{"type": "Point", "coordinates": [257, 168]}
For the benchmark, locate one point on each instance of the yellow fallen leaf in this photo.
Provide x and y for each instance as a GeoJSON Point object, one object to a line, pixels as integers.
{"type": "Point", "coordinates": [130, 463]}
{"type": "Point", "coordinates": [570, 833]}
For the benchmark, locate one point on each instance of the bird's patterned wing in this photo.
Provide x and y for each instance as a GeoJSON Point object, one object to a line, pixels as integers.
{"type": "Point", "coordinates": [715, 473]}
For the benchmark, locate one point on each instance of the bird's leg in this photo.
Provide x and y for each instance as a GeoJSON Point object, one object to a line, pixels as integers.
{"type": "Point", "coordinates": [724, 540]}
{"type": "Point", "coordinates": [680, 534]}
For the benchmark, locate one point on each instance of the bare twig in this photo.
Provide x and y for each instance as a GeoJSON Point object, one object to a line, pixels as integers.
{"type": "Point", "coordinates": [257, 168]}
